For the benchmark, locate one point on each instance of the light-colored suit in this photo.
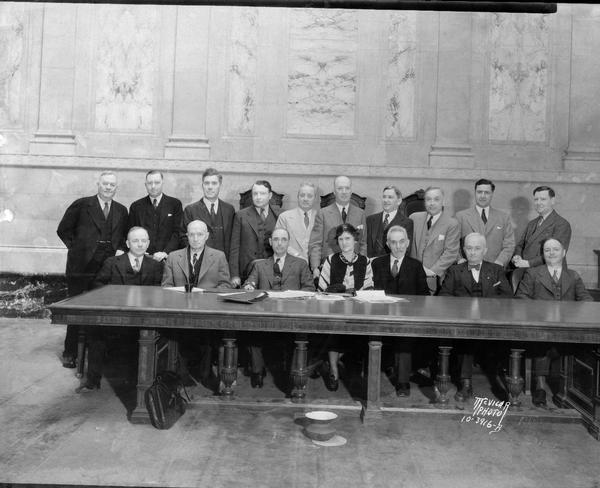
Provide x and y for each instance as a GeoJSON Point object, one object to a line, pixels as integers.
{"type": "Point", "coordinates": [322, 238]}
{"type": "Point", "coordinates": [295, 275]}
{"type": "Point", "coordinates": [214, 271]}
{"type": "Point", "coordinates": [498, 231]}
{"type": "Point", "coordinates": [438, 247]}
{"type": "Point", "coordinates": [293, 221]}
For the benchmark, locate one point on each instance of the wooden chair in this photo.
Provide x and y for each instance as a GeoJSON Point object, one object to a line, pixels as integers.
{"type": "Point", "coordinates": [413, 203]}
{"type": "Point", "coordinates": [246, 199]}
{"type": "Point", "coordinates": [357, 200]}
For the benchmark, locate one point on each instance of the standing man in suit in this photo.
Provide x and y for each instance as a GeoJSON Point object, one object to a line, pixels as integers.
{"type": "Point", "coordinates": [322, 238]}
{"type": "Point", "coordinates": [281, 271]}
{"type": "Point", "coordinates": [473, 278]}
{"type": "Point", "coordinates": [379, 223]}
{"type": "Point", "coordinates": [214, 212]}
{"type": "Point", "coordinates": [132, 268]}
{"type": "Point", "coordinates": [300, 221]}
{"type": "Point", "coordinates": [436, 240]}
{"type": "Point", "coordinates": [252, 229]}
{"type": "Point", "coordinates": [528, 252]}
{"type": "Point", "coordinates": [494, 224]}
{"type": "Point", "coordinates": [160, 215]}
{"type": "Point", "coordinates": [93, 228]}
{"type": "Point", "coordinates": [399, 274]}
{"type": "Point", "coordinates": [549, 281]}
{"type": "Point", "coordinates": [200, 266]}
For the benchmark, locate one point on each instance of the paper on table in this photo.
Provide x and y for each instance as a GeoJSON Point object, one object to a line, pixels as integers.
{"type": "Point", "coordinates": [290, 294]}
{"type": "Point", "coordinates": [328, 297]}
{"type": "Point", "coordinates": [376, 296]}
{"type": "Point", "coordinates": [182, 289]}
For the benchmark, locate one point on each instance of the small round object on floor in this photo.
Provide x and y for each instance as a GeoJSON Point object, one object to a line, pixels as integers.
{"type": "Point", "coordinates": [335, 441]}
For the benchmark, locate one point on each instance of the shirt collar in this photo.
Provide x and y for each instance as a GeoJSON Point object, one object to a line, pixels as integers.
{"type": "Point", "coordinates": [435, 218]}
{"type": "Point", "coordinates": [158, 199]}
{"type": "Point", "coordinates": [102, 202]}
{"type": "Point", "coordinates": [132, 258]}
{"type": "Point", "coordinates": [208, 203]}
{"type": "Point", "coordinates": [479, 209]}
{"type": "Point", "coordinates": [391, 217]}
{"type": "Point", "coordinates": [259, 210]}
{"type": "Point", "coordinates": [340, 207]}
{"type": "Point", "coordinates": [393, 258]}
{"type": "Point", "coordinates": [281, 260]}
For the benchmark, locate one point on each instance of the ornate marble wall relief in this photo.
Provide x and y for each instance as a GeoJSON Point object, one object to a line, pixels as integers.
{"type": "Point", "coordinates": [125, 53]}
{"type": "Point", "coordinates": [322, 72]}
{"type": "Point", "coordinates": [400, 75]}
{"type": "Point", "coordinates": [519, 77]}
{"type": "Point", "coordinates": [243, 70]}
{"type": "Point", "coordinates": [12, 47]}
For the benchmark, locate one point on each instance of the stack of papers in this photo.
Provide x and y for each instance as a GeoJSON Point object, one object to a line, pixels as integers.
{"type": "Point", "coordinates": [291, 294]}
{"type": "Point", "coordinates": [182, 289]}
{"type": "Point", "coordinates": [376, 296]}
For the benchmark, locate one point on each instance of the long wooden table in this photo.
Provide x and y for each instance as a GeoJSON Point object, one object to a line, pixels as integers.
{"type": "Point", "coordinates": [152, 309]}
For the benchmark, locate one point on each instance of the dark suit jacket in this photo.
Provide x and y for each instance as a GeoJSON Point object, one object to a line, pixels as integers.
{"type": "Point", "coordinates": [198, 211]}
{"type": "Point", "coordinates": [537, 283]}
{"type": "Point", "coordinates": [213, 273]}
{"type": "Point", "coordinates": [491, 276]}
{"type": "Point", "coordinates": [322, 241]}
{"type": "Point", "coordinates": [295, 274]}
{"type": "Point", "coordinates": [166, 237]}
{"type": "Point", "coordinates": [377, 235]}
{"type": "Point", "coordinates": [80, 230]}
{"type": "Point", "coordinates": [117, 270]}
{"type": "Point", "coordinates": [411, 279]}
{"type": "Point", "coordinates": [529, 246]}
{"type": "Point", "coordinates": [245, 245]}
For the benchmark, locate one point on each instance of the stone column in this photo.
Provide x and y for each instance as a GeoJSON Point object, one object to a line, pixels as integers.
{"type": "Point", "coordinates": [188, 134]}
{"type": "Point", "coordinates": [452, 148]}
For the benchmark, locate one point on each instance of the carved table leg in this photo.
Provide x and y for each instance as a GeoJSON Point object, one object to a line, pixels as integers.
{"type": "Point", "coordinates": [372, 410]}
{"type": "Point", "coordinates": [172, 354]}
{"type": "Point", "coordinates": [560, 399]}
{"type": "Point", "coordinates": [299, 371]}
{"type": "Point", "coordinates": [442, 379]}
{"type": "Point", "coordinates": [515, 380]}
{"type": "Point", "coordinates": [146, 373]}
{"type": "Point", "coordinates": [228, 371]}
{"type": "Point", "coordinates": [80, 361]}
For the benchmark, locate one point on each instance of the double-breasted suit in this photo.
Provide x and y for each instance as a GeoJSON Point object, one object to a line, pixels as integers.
{"type": "Point", "coordinates": [492, 278]}
{"type": "Point", "coordinates": [295, 275]}
{"type": "Point", "coordinates": [322, 238]}
{"type": "Point", "coordinates": [377, 234]}
{"type": "Point", "coordinates": [538, 284]}
{"type": "Point", "coordinates": [163, 223]}
{"type": "Point", "coordinates": [529, 246]}
{"type": "Point", "coordinates": [224, 217]}
{"type": "Point", "coordinates": [213, 273]}
{"type": "Point", "coordinates": [250, 239]}
{"type": "Point", "coordinates": [293, 221]}
{"type": "Point", "coordinates": [498, 231]}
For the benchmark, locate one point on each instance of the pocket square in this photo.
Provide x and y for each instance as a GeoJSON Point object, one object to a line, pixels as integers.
{"type": "Point", "coordinates": [169, 215]}
{"type": "Point", "coordinates": [499, 227]}
{"type": "Point", "coordinates": [496, 284]}
{"type": "Point", "coordinates": [441, 237]}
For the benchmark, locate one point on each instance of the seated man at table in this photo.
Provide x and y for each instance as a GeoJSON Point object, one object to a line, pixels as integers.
{"type": "Point", "coordinates": [133, 268]}
{"type": "Point", "coordinates": [474, 278]}
{"type": "Point", "coordinates": [399, 274]}
{"type": "Point", "coordinates": [282, 271]}
{"type": "Point", "coordinates": [549, 281]}
{"type": "Point", "coordinates": [199, 266]}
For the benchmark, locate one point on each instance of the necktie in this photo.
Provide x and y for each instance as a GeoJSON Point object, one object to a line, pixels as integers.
{"type": "Point", "coordinates": [263, 214]}
{"type": "Point", "coordinates": [539, 222]}
{"type": "Point", "coordinates": [276, 268]}
{"type": "Point", "coordinates": [386, 220]}
{"type": "Point", "coordinates": [474, 266]}
{"type": "Point", "coordinates": [194, 259]}
{"type": "Point", "coordinates": [306, 221]}
{"type": "Point", "coordinates": [106, 210]}
{"type": "Point", "coordinates": [395, 268]}
{"type": "Point", "coordinates": [483, 217]}
{"type": "Point", "coordinates": [212, 211]}
{"type": "Point", "coordinates": [136, 266]}
{"type": "Point", "coordinates": [555, 276]}
{"type": "Point", "coordinates": [155, 203]}
{"type": "Point", "coordinates": [429, 222]}
{"type": "Point", "coordinates": [344, 214]}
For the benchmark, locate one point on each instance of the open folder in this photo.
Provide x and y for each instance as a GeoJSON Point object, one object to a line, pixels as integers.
{"type": "Point", "coordinates": [244, 297]}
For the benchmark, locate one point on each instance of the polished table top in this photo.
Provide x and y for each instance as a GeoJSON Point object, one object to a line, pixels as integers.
{"type": "Point", "coordinates": [444, 317]}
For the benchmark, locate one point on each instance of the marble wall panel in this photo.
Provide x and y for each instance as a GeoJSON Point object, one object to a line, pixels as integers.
{"type": "Point", "coordinates": [12, 48]}
{"type": "Point", "coordinates": [400, 76]}
{"type": "Point", "coordinates": [519, 56]}
{"type": "Point", "coordinates": [243, 71]}
{"type": "Point", "coordinates": [322, 72]}
{"type": "Point", "coordinates": [126, 65]}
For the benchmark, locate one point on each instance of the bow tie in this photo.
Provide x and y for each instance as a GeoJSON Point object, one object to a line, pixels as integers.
{"type": "Point", "coordinates": [474, 266]}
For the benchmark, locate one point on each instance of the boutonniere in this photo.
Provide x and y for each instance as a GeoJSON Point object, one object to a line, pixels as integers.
{"type": "Point", "coordinates": [360, 227]}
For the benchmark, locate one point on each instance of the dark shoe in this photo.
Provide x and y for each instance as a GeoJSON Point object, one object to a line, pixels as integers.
{"type": "Point", "coordinates": [403, 389]}
{"type": "Point", "coordinates": [539, 398]}
{"type": "Point", "coordinates": [256, 379]}
{"type": "Point", "coordinates": [465, 392]}
{"type": "Point", "coordinates": [87, 387]}
{"type": "Point", "coordinates": [69, 362]}
{"type": "Point", "coordinates": [331, 382]}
